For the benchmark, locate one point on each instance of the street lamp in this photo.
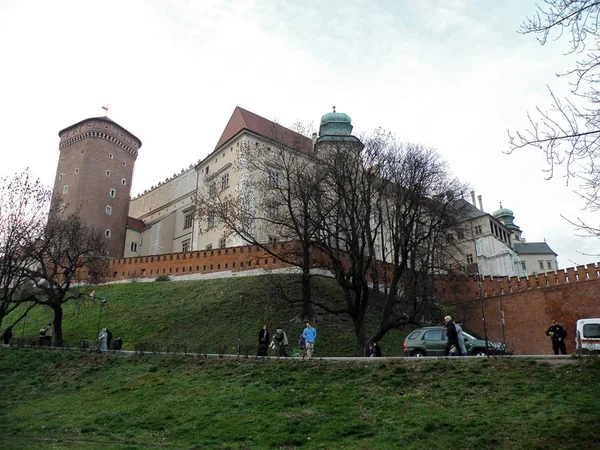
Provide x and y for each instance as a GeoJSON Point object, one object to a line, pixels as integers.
{"type": "Point", "coordinates": [483, 314]}
{"type": "Point", "coordinates": [102, 303]}
{"type": "Point", "coordinates": [240, 326]}
{"type": "Point", "coordinates": [501, 312]}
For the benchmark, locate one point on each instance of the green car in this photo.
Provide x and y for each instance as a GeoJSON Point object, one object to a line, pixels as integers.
{"type": "Point", "coordinates": [431, 341]}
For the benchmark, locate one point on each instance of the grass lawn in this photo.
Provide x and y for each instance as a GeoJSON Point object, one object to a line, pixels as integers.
{"type": "Point", "coordinates": [70, 399]}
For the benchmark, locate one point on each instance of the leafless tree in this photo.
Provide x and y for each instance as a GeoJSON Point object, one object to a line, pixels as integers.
{"type": "Point", "coordinates": [568, 132]}
{"type": "Point", "coordinates": [272, 205]}
{"type": "Point", "coordinates": [387, 214]}
{"type": "Point", "coordinates": [24, 204]}
{"type": "Point", "coordinates": [67, 253]}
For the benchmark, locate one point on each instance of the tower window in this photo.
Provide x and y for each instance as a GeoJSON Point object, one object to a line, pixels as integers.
{"type": "Point", "coordinates": [478, 229]}
{"type": "Point", "coordinates": [108, 173]}
{"type": "Point", "coordinates": [124, 163]}
{"type": "Point", "coordinates": [112, 193]}
{"type": "Point", "coordinates": [61, 176]}
{"type": "Point", "coordinates": [470, 258]}
{"type": "Point", "coordinates": [107, 233]}
{"type": "Point", "coordinates": [224, 181]}
{"type": "Point", "coordinates": [65, 189]}
{"type": "Point", "coordinates": [76, 171]}
{"type": "Point", "coordinates": [123, 181]}
{"type": "Point", "coordinates": [222, 242]}
{"type": "Point", "coordinates": [185, 246]}
{"type": "Point", "coordinates": [110, 155]}
{"type": "Point", "coordinates": [188, 221]}
{"type": "Point", "coordinates": [108, 210]}
{"type": "Point", "coordinates": [134, 246]}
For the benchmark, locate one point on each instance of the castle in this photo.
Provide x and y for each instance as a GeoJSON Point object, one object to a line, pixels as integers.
{"type": "Point", "coordinates": [95, 169]}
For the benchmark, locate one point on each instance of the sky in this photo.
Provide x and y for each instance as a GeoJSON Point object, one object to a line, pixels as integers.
{"type": "Point", "coordinates": [454, 75]}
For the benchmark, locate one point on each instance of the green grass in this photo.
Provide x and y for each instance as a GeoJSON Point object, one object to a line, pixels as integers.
{"type": "Point", "coordinates": [205, 314]}
{"type": "Point", "coordinates": [62, 399]}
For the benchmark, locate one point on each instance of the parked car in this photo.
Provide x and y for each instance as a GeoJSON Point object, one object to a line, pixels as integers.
{"type": "Point", "coordinates": [431, 341]}
{"type": "Point", "coordinates": [587, 336]}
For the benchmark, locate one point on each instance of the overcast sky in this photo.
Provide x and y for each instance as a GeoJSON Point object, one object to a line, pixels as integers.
{"type": "Point", "coordinates": [451, 74]}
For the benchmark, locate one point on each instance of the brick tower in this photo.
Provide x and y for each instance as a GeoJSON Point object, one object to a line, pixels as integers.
{"type": "Point", "coordinates": [94, 176]}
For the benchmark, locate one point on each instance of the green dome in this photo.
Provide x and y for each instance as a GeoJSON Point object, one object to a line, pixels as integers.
{"type": "Point", "coordinates": [335, 124]}
{"type": "Point", "coordinates": [507, 217]}
{"type": "Point", "coordinates": [502, 212]}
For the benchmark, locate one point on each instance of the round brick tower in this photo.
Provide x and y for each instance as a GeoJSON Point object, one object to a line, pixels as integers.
{"type": "Point", "coordinates": [94, 176]}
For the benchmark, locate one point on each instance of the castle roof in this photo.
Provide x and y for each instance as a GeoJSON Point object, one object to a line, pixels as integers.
{"type": "Point", "coordinates": [135, 224]}
{"type": "Point", "coordinates": [242, 119]}
{"type": "Point", "coordinates": [102, 119]}
{"type": "Point", "coordinates": [533, 248]}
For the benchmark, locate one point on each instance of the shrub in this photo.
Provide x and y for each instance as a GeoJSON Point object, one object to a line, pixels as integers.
{"type": "Point", "coordinates": [163, 278]}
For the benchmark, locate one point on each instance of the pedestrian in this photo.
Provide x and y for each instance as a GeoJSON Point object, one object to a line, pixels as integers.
{"type": "Point", "coordinates": [42, 339]}
{"type": "Point", "coordinates": [48, 334]}
{"type": "Point", "coordinates": [101, 341]}
{"type": "Point", "coordinates": [108, 339]}
{"type": "Point", "coordinates": [263, 341]}
{"type": "Point", "coordinates": [557, 334]}
{"type": "Point", "coordinates": [7, 335]}
{"type": "Point", "coordinates": [302, 346]}
{"type": "Point", "coordinates": [85, 344]}
{"type": "Point", "coordinates": [461, 349]}
{"type": "Point", "coordinates": [451, 335]}
{"type": "Point", "coordinates": [280, 341]}
{"type": "Point", "coordinates": [309, 334]}
{"type": "Point", "coordinates": [117, 344]}
{"type": "Point", "coordinates": [374, 350]}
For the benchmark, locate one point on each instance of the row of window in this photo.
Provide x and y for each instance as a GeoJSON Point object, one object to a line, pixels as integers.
{"type": "Point", "coordinates": [540, 263]}
{"type": "Point", "coordinates": [123, 180]}
{"type": "Point", "coordinates": [111, 192]}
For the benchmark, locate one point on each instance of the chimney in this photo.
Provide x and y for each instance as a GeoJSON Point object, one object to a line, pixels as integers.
{"type": "Point", "coordinates": [314, 139]}
{"type": "Point", "coordinates": [480, 202]}
{"type": "Point", "coordinates": [473, 198]}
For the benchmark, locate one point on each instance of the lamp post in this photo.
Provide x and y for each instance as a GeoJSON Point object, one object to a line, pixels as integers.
{"type": "Point", "coordinates": [102, 303]}
{"type": "Point", "coordinates": [483, 314]}
{"type": "Point", "coordinates": [239, 344]}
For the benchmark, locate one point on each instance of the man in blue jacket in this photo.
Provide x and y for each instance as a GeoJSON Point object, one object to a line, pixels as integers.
{"type": "Point", "coordinates": [309, 334]}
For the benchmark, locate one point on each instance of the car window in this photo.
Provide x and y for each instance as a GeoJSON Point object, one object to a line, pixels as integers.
{"type": "Point", "coordinates": [591, 330]}
{"type": "Point", "coordinates": [414, 335]}
{"type": "Point", "coordinates": [433, 335]}
{"type": "Point", "coordinates": [467, 336]}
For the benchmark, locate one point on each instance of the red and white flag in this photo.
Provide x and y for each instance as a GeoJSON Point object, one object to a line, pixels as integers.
{"type": "Point", "coordinates": [105, 108]}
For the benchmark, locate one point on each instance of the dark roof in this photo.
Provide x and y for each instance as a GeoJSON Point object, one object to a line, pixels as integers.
{"type": "Point", "coordinates": [102, 119]}
{"type": "Point", "coordinates": [533, 248]}
{"type": "Point", "coordinates": [136, 224]}
{"type": "Point", "coordinates": [242, 119]}
{"type": "Point", "coordinates": [466, 210]}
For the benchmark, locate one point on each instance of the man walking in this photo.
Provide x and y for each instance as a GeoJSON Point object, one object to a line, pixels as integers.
{"type": "Point", "coordinates": [558, 334]}
{"type": "Point", "coordinates": [452, 336]}
{"type": "Point", "coordinates": [280, 341]}
{"type": "Point", "coordinates": [309, 334]}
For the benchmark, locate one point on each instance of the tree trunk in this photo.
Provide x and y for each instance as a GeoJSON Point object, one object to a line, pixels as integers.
{"type": "Point", "coordinates": [307, 306]}
{"type": "Point", "coordinates": [58, 316]}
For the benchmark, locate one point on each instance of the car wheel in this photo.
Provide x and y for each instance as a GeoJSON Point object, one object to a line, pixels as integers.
{"type": "Point", "coordinates": [418, 354]}
{"type": "Point", "coordinates": [479, 352]}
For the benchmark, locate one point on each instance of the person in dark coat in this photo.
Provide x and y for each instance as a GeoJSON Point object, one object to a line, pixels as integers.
{"type": "Point", "coordinates": [452, 336]}
{"type": "Point", "coordinates": [264, 339]}
{"type": "Point", "coordinates": [557, 334]}
{"type": "Point", "coordinates": [375, 350]}
{"type": "Point", "coordinates": [108, 339]}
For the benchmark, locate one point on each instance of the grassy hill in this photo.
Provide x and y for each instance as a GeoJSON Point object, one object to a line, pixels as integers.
{"type": "Point", "coordinates": [205, 315]}
{"type": "Point", "coordinates": [81, 400]}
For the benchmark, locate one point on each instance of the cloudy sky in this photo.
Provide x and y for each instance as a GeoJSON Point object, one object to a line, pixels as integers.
{"type": "Point", "coordinates": [451, 74]}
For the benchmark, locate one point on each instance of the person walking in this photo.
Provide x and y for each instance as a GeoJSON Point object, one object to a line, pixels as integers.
{"type": "Point", "coordinates": [309, 334]}
{"type": "Point", "coordinates": [108, 339]}
{"type": "Point", "coordinates": [557, 334]}
{"type": "Point", "coordinates": [451, 335]}
{"type": "Point", "coordinates": [101, 341]}
{"type": "Point", "coordinates": [375, 350]}
{"type": "Point", "coordinates": [280, 341]}
{"type": "Point", "coordinates": [263, 341]}
{"type": "Point", "coordinates": [48, 334]}
{"type": "Point", "coordinates": [461, 349]}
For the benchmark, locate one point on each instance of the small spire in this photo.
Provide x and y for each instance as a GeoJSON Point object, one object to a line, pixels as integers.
{"type": "Point", "coordinates": [334, 108]}
{"type": "Point", "coordinates": [500, 205]}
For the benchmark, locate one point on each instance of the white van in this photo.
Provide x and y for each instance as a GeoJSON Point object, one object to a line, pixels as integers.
{"type": "Point", "coordinates": [587, 336]}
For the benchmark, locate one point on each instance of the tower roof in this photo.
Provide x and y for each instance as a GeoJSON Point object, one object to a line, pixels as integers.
{"type": "Point", "coordinates": [242, 119]}
{"type": "Point", "coordinates": [336, 126]}
{"type": "Point", "coordinates": [102, 119]}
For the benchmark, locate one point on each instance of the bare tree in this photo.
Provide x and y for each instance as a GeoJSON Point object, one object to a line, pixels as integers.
{"type": "Point", "coordinates": [24, 204]}
{"type": "Point", "coordinates": [68, 253]}
{"type": "Point", "coordinates": [272, 206]}
{"type": "Point", "coordinates": [568, 132]}
{"type": "Point", "coordinates": [388, 216]}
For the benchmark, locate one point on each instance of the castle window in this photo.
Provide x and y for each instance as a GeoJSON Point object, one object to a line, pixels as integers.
{"type": "Point", "coordinates": [188, 221]}
{"type": "Point", "coordinates": [222, 242]}
{"type": "Point", "coordinates": [123, 181]}
{"type": "Point", "coordinates": [76, 171]}
{"type": "Point", "coordinates": [108, 210]}
{"type": "Point", "coordinates": [111, 156]}
{"type": "Point", "coordinates": [65, 189]}
{"type": "Point", "coordinates": [61, 176]}
{"type": "Point", "coordinates": [108, 173]}
{"type": "Point", "coordinates": [541, 263]}
{"type": "Point", "coordinates": [272, 240]}
{"type": "Point", "coordinates": [107, 233]}
{"type": "Point", "coordinates": [124, 163]}
{"type": "Point", "coordinates": [524, 266]}
{"type": "Point", "coordinates": [210, 222]}
{"type": "Point", "coordinates": [470, 258]}
{"type": "Point", "coordinates": [208, 247]}
{"type": "Point", "coordinates": [82, 151]}
{"type": "Point", "coordinates": [206, 171]}
{"type": "Point", "coordinates": [549, 263]}
{"type": "Point", "coordinates": [478, 229]}
{"type": "Point", "coordinates": [134, 246]}
{"type": "Point", "coordinates": [112, 193]}
{"type": "Point", "coordinates": [212, 190]}
{"type": "Point", "coordinates": [273, 179]}
{"type": "Point", "coordinates": [185, 246]}
{"type": "Point", "coordinates": [224, 181]}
